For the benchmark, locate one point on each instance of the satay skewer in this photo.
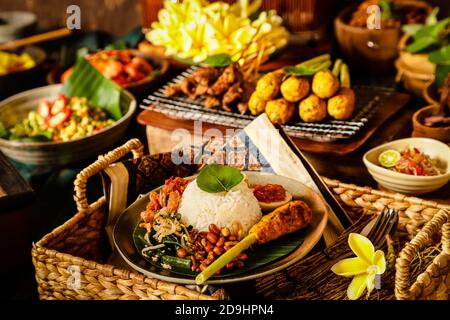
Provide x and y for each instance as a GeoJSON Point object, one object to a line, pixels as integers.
{"type": "Point", "coordinates": [286, 219]}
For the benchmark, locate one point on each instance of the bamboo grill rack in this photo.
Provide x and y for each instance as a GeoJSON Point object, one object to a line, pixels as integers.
{"type": "Point", "coordinates": [422, 268]}
{"type": "Point", "coordinates": [369, 99]}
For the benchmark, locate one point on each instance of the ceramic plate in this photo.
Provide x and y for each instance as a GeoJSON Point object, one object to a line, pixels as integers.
{"type": "Point", "coordinates": [308, 237]}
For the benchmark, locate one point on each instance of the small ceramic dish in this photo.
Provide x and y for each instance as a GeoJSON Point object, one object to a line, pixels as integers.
{"type": "Point", "coordinates": [405, 183]}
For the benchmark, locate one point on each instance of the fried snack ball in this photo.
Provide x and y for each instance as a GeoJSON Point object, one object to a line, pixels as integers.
{"type": "Point", "coordinates": [295, 88]}
{"type": "Point", "coordinates": [256, 104]}
{"type": "Point", "coordinates": [280, 111]}
{"type": "Point", "coordinates": [342, 105]}
{"type": "Point", "coordinates": [268, 86]}
{"type": "Point", "coordinates": [325, 84]}
{"type": "Point", "coordinates": [312, 109]}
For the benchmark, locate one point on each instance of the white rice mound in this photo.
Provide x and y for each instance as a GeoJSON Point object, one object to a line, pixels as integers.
{"type": "Point", "coordinates": [200, 209]}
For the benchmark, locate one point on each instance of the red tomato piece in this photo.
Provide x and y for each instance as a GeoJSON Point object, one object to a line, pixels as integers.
{"type": "Point", "coordinates": [59, 104]}
{"type": "Point", "coordinates": [44, 109]}
{"type": "Point", "coordinates": [59, 119]}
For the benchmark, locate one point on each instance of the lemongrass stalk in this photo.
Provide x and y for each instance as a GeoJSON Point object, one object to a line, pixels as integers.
{"type": "Point", "coordinates": [226, 258]}
{"type": "Point", "coordinates": [337, 67]}
{"type": "Point", "coordinates": [345, 76]}
{"type": "Point", "coordinates": [313, 61]}
{"type": "Point", "coordinates": [321, 66]}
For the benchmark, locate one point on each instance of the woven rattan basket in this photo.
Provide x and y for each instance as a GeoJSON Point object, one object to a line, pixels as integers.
{"type": "Point", "coordinates": [78, 245]}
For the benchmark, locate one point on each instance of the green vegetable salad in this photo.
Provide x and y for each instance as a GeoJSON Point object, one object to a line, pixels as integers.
{"type": "Point", "coordinates": [64, 119]}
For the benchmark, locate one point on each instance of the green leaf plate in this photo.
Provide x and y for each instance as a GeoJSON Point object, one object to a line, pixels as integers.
{"type": "Point", "coordinates": [263, 260]}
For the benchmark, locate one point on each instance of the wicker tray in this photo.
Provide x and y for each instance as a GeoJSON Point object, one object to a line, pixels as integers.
{"type": "Point", "coordinates": [80, 243]}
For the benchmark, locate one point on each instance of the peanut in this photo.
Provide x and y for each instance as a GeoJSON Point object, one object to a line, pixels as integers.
{"type": "Point", "coordinates": [220, 242]}
{"type": "Point", "coordinates": [209, 246]}
{"type": "Point", "coordinates": [209, 259]}
{"type": "Point", "coordinates": [225, 232]}
{"type": "Point", "coordinates": [242, 257]}
{"type": "Point", "coordinates": [211, 237]}
{"type": "Point", "coordinates": [214, 229]}
{"type": "Point", "coordinates": [218, 250]}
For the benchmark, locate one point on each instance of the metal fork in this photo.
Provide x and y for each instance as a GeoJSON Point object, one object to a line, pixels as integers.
{"type": "Point", "coordinates": [385, 224]}
{"type": "Point", "coordinates": [376, 231]}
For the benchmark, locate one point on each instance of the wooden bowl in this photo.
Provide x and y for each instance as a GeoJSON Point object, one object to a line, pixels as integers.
{"type": "Point", "coordinates": [15, 108]}
{"type": "Point", "coordinates": [18, 81]}
{"type": "Point", "coordinates": [373, 51]}
{"type": "Point", "coordinates": [137, 87]}
{"type": "Point", "coordinates": [420, 130]}
{"type": "Point", "coordinates": [414, 70]}
{"type": "Point", "coordinates": [415, 62]}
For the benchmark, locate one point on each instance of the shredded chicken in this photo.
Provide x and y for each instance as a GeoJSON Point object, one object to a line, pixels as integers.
{"type": "Point", "coordinates": [169, 197]}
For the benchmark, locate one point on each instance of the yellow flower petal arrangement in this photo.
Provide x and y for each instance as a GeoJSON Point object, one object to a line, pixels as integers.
{"type": "Point", "coordinates": [363, 268]}
{"type": "Point", "coordinates": [196, 29]}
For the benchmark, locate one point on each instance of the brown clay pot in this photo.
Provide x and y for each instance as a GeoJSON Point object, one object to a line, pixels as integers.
{"type": "Point", "coordinates": [430, 93]}
{"type": "Point", "coordinates": [372, 50]}
{"type": "Point", "coordinates": [420, 130]}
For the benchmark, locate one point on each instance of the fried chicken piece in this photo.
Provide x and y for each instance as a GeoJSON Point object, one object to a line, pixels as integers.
{"type": "Point", "coordinates": [212, 102]}
{"type": "Point", "coordinates": [230, 75]}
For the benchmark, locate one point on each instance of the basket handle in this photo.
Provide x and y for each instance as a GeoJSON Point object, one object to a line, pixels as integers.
{"type": "Point", "coordinates": [133, 145]}
{"type": "Point", "coordinates": [420, 241]}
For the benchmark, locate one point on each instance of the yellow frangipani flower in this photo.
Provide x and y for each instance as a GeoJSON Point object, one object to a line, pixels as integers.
{"type": "Point", "coordinates": [196, 29]}
{"type": "Point", "coordinates": [363, 268]}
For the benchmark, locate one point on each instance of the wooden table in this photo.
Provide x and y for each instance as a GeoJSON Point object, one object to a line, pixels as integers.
{"type": "Point", "coordinates": [349, 168]}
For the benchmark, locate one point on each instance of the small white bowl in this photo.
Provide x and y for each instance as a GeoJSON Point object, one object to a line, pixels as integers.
{"type": "Point", "coordinates": [405, 183]}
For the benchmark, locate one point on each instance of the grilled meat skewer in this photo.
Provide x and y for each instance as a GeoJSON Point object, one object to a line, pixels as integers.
{"type": "Point", "coordinates": [286, 219]}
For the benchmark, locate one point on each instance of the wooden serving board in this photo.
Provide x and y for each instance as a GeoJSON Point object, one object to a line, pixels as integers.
{"type": "Point", "coordinates": [391, 106]}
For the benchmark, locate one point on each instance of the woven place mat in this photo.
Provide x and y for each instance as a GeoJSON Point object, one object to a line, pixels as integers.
{"type": "Point", "coordinates": [369, 100]}
{"type": "Point", "coordinates": [312, 278]}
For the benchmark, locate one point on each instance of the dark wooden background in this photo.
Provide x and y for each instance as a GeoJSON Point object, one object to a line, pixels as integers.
{"type": "Point", "coordinates": [113, 16]}
{"type": "Point", "coordinates": [120, 16]}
